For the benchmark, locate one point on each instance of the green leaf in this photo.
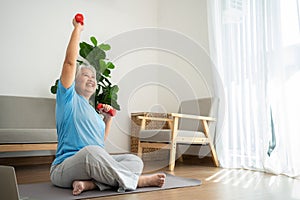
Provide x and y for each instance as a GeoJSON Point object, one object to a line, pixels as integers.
{"type": "Point", "coordinates": [94, 56]}
{"type": "Point", "coordinates": [102, 66]}
{"type": "Point", "coordinates": [115, 105]}
{"type": "Point", "coordinates": [104, 47]}
{"type": "Point", "coordinates": [94, 41]}
{"type": "Point", "coordinates": [106, 73]}
{"type": "Point", "coordinates": [110, 65]}
{"type": "Point", "coordinates": [53, 88]}
{"type": "Point", "coordinates": [85, 49]}
{"type": "Point", "coordinates": [114, 96]}
{"type": "Point", "coordinates": [115, 89]}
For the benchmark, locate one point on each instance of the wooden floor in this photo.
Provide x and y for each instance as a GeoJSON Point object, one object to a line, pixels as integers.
{"type": "Point", "coordinates": [217, 183]}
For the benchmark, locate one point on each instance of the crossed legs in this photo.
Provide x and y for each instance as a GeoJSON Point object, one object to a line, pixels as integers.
{"type": "Point", "coordinates": [93, 167]}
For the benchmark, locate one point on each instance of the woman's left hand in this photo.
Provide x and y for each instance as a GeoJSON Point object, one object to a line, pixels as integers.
{"type": "Point", "coordinates": [105, 110]}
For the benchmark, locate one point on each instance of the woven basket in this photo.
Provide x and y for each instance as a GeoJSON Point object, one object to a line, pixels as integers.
{"type": "Point", "coordinates": [148, 153]}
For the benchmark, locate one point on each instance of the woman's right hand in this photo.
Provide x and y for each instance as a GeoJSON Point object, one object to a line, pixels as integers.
{"type": "Point", "coordinates": [77, 24]}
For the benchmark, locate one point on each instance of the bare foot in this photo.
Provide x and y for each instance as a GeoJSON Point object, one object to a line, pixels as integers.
{"type": "Point", "coordinates": [80, 186]}
{"type": "Point", "coordinates": [152, 180]}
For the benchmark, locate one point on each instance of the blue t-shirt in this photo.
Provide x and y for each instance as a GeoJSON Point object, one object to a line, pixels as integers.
{"type": "Point", "coordinates": [77, 123]}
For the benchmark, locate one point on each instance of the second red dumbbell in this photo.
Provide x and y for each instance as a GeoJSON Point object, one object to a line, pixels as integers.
{"type": "Point", "coordinates": [112, 112]}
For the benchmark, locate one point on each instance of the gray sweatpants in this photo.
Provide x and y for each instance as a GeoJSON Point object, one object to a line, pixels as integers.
{"type": "Point", "coordinates": [105, 170]}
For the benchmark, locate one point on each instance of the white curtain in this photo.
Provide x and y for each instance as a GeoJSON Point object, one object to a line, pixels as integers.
{"type": "Point", "coordinates": [259, 70]}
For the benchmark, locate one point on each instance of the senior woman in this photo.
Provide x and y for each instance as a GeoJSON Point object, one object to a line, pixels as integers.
{"type": "Point", "coordinates": [81, 161]}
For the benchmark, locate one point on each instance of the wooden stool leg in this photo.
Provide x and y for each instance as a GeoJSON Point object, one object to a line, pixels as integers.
{"type": "Point", "coordinates": [172, 157]}
{"type": "Point", "coordinates": [140, 150]}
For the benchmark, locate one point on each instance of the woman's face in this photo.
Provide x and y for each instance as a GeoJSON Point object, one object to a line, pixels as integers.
{"type": "Point", "coordinates": [85, 82]}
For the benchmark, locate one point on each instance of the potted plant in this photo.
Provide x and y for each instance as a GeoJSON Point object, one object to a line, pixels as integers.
{"type": "Point", "coordinates": [106, 92]}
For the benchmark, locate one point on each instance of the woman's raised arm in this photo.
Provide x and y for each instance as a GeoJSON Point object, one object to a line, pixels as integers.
{"type": "Point", "coordinates": [69, 66]}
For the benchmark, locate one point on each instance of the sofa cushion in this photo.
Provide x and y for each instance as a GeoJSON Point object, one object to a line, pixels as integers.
{"type": "Point", "coordinates": [27, 112]}
{"type": "Point", "coordinates": [11, 136]}
{"type": "Point", "coordinates": [164, 135]}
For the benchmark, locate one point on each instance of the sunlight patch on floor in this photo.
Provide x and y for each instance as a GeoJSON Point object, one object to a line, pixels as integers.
{"type": "Point", "coordinates": [256, 180]}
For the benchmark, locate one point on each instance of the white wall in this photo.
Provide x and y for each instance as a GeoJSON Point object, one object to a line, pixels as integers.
{"type": "Point", "coordinates": [188, 58]}
{"type": "Point", "coordinates": [188, 74]}
{"type": "Point", "coordinates": [35, 33]}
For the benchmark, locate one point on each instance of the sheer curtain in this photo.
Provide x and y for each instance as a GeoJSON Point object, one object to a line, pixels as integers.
{"type": "Point", "coordinates": [259, 77]}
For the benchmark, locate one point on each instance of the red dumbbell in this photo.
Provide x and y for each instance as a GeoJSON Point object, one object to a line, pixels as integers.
{"type": "Point", "coordinates": [79, 18]}
{"type": "Point", "coordinates": [112, 111]}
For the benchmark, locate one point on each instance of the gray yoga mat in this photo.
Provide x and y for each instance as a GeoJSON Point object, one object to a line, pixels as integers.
{"type": "Point", "coordinates": [45, 191]}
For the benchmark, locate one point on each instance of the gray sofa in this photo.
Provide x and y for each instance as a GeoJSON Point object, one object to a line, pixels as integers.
{"type": "Point", "coordinates": [27, 124]}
